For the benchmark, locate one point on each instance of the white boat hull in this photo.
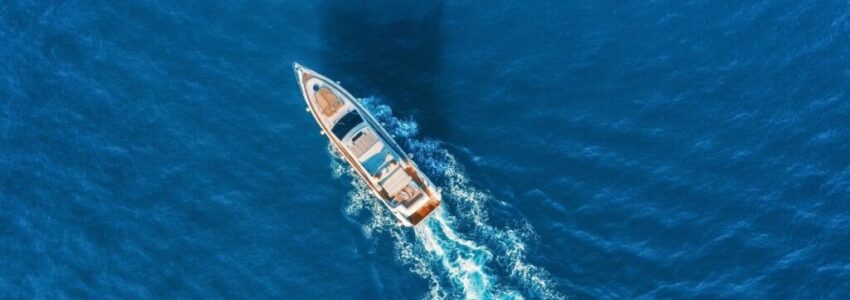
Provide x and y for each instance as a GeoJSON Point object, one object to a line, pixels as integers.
{"type": "Point", "coordinates": [352, 130]}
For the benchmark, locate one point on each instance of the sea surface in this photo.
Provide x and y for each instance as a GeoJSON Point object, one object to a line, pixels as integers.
{"type": "Point", "coordinates": [585, 149]}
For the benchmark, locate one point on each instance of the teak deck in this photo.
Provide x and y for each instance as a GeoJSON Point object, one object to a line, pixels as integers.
{"type": "Point", "coordinates": [424, 211]}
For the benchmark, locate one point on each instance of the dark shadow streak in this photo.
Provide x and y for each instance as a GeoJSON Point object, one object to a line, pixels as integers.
{"type": "Point", "coordinates": [379, 48]}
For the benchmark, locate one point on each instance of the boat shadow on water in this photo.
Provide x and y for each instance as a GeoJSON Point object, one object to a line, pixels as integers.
{"type": "Point", "coordinates": [388, 50]}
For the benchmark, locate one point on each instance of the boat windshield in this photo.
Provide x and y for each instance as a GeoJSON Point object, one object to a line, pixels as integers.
{"type": "Point", "coordinates": [346, 123]}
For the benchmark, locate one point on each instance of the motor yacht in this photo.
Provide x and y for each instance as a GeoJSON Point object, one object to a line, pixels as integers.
{"type": "Point", "coordinates": [352, 130]}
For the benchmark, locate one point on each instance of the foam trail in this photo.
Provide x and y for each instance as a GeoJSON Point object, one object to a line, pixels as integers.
{"type": "Point", "coordinates": [455, 264]}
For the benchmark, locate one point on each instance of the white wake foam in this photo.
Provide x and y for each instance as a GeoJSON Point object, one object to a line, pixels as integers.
{"type": "Point", "coordinates": [455, 264]}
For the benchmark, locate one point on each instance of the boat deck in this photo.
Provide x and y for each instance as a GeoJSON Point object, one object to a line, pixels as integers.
{"type": "Point", "coordinates": [328, 102]}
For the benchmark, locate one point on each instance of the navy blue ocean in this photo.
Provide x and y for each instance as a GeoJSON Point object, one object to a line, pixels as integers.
{"type": "Point", "coordinates": [584, 149]}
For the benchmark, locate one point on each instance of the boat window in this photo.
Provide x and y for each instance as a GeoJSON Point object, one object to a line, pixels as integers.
{"type": "Point", "coordinates": [346, 123]}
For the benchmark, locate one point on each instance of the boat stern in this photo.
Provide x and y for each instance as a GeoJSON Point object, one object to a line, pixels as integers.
{"type": "Point", "coordinates": [424, 211]}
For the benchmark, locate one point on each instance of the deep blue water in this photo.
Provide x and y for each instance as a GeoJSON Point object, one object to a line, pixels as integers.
{"type": "Point", "coordinates": [585, 149]}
